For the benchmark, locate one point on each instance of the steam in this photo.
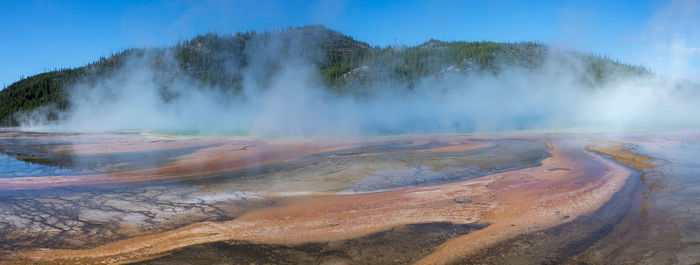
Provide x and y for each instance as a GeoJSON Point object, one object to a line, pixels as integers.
{"type": "Point", "coordinates": [293, 102]}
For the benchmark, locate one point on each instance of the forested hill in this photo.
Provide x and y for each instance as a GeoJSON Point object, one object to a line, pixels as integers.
{"type": "Point", "coordinates": [345, 64]}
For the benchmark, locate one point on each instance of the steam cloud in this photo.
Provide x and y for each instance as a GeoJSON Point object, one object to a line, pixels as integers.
{"type": "Point", "coordinates": [293, 103]}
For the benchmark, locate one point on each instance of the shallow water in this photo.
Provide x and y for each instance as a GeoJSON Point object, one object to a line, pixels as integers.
{"type": "Point", "coordinates": [378, 167]}
{"type": "Point", "coordinates": [10, 167]}
{"type": "Point", "coordinates": [39, 157]}
{"type": "Point", "coordinates": [675, 189]}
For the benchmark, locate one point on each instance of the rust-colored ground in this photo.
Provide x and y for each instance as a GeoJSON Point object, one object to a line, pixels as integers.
{"type": "Point", "coordinates": [512, 203]}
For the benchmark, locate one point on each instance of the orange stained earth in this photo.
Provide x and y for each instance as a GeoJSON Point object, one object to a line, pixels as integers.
{"type": "Point", "coordinates": [512, 203]}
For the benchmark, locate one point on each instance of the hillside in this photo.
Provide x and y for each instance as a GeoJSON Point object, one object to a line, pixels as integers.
{"type": "Point", "coordinates": [345, 65]}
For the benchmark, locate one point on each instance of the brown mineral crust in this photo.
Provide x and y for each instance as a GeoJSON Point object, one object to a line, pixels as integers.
{"type": "Point", "coordinates": [513, 203]}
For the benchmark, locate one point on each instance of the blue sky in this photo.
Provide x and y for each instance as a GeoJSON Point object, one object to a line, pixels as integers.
{"type": "Point", "coordinates": [43, 35]}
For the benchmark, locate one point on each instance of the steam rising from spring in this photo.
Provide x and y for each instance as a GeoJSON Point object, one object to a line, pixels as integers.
{"type": "Point", "coordinates": [292, 102]}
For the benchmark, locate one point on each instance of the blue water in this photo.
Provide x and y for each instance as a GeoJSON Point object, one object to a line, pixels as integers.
{"type": "Point", "coordinates": [11, 167]}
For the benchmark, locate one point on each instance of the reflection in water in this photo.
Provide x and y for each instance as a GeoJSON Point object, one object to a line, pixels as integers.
{"type": "Point", "coordinates": [11, 167]}
{"type": "Point", "coordinates": [674, 188]}
{"type": "Point", "coordinates": [58, 158]}
{"type": "Point", "coordinates": [378, 167]}
{"type": "Point", "coordinates": [662, 225]}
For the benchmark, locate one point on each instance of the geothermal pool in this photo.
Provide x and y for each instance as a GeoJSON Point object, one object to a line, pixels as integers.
{"type": "Point", "coordinates": [125, 198]}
